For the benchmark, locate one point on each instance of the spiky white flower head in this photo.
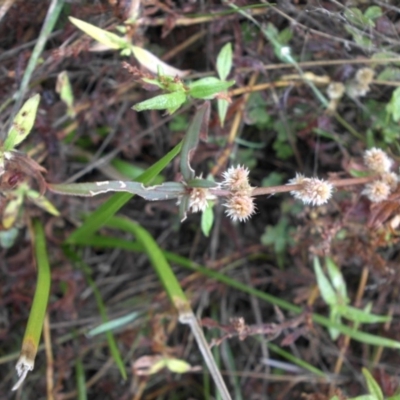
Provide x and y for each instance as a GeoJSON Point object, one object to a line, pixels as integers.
{"type": "Point", "coordinates": [391, 179]}
{"type": "Point", "coordinates": [365, 76]}
{"type": "Point", "coordinates": [377, 160]}
{"type": "Point", "coordinates": [198, 199]}
{"type": "Point", "coordinates": [335, 90]}
{"type": "Point", "coordinates": [236, 179]}
{"type": "Point", "coordinates": [377, 191]}
{"type": "Point", "coordinates": [314, 191]}
{"type": "Point", "coordinates": [240, 207]}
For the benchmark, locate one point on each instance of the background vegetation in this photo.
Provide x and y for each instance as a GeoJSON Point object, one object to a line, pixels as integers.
{"type": "Point", "coordinates": [297, 302]}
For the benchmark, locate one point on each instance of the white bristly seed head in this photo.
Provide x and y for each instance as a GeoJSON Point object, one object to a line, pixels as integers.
{"type": "Point", "coordinates": [236, 179]}
{"type": "Point", "coordinates": [314, 191]}
{"type": "Point", "coordinates": [335, 90]}
{"type": "Point", "coordinates": [377, 191]}
{"type": "Point", "coordinates": [377, 160]}
{"type": "Point", "coordinates": [364, 76]}
{"type": "Point", "coordinates": [198, 199]}
{"type": "Point", "coordinates": [240, 207]}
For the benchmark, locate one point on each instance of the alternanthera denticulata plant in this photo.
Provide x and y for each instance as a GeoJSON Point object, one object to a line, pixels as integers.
{"type": "Point", "coordinates": [195, 194]}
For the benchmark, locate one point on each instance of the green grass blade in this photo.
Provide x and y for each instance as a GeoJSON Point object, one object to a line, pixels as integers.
{"type": "Point", "coordinates": [296, 360]}
{"type": "Point", "coordinates": [34, 326]}
{"type": "Point", "coordinates": [101, 307]}
{"type": "Point", "coordinates": [98, 218]}
{"type": "Point", "coordinates": [101, 241]}
{"type": "Point", "coordinates": [48, 25]}
{"type": "Point", "coordinates": [39, 305]}
{"type": "Point", "coordinates": [80, 380]}
{"type": "Point", "coordinates": [175, 293]}
{"type": "Point", "coordinates": [113, 324]}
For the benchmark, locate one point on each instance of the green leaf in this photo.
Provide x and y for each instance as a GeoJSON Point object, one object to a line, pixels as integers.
{"type": "Point", "coordinates": [373, 386]}
{"type": "Point", "coordinates": [334, 317]}
{"type": "Point", "coordinates": [177, 366]}
{"type": "Point", "coordinates": [356, 17]}
{"type": "Point", "coordinates": [165, 191]}
{"type": "Point", "coordinates": [389, 74]}
{"type": "Point", "coordinates": [42, 202]}
{"type": "Point", "coordinates": [223, 106]}
{"type": "Point", "coordinates": [22, 124]}
{"type": "Point", "coordinates": [98, 218]}
{"type": "Point", "coordinates": [113, 324]}
{"type": "Point", "coordinates": [357, 315]}
{"type": "Point", "coordinates": [337, 279]}
{"type": "Point", "coordinates": [393, 107]}
{"type": "Point", "coordinates": [224, 61]}
{"type": "Point", "coordinates": [325, 287]}
{"type": "Point", "coordinates": [169, 101]}
{"type": "Point", "coordinates": [373, 12]}
{"type": "Point", "coordinates": [207, 220]}
{"type": "Point", "coordinates": [111, 40]}
{"type": "Point", "coordinates": [198, 127]}
{"type": "Point", "coordinates": [11, 211]}
{"type": "Point", "coordinates": [284, 36]}
{"type": "Point", "coordinates": [63, 87]}
{"type": "Point", "coordinates": [207, 88]}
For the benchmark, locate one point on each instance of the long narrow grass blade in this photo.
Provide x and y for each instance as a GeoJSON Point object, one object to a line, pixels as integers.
{"type": "Point", "coordinates": [175, 293]}
{"type": "Point", "coordinates": [34, 326]}
{"type": "Point", "coordinates": [296, 360]}
{"type": "Point", "coordinates": [109, 242]}
{"type": "Point", "coordinates": [80, 380]}
{"type": "Point", "coordinates": [98, 218]}
{"type": "Point", "coordinates": [48, 25]}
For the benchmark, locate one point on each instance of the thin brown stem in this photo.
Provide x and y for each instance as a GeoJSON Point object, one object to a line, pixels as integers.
{"type": "Point", "coordinates": [288, 188]}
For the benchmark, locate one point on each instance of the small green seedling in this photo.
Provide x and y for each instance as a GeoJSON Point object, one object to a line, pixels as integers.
{"type": "Point", "coordinates": [333, 291]}
{"type": "Point", "coordinates": [168, 78]}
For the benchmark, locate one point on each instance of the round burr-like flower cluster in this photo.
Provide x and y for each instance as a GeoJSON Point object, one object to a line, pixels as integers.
{"type": "Point", "coordinates": [240, 204]}
{"type": "Point", "coordinates": [198, 199]}
{"type": "Point", "coordinates": [379, 162]}
{"type": "Point", "coordinates": [312, 191]}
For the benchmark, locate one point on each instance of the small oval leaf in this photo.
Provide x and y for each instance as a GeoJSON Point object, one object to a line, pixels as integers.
{"type": "Point", "coordinates": [22, 124]}
{"type": "Point", "coordinates": [162, 102]}
{"type": "Point", "coordinates": [224, 61]}
{"type": "Point", "coordinates": [207, 88]}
